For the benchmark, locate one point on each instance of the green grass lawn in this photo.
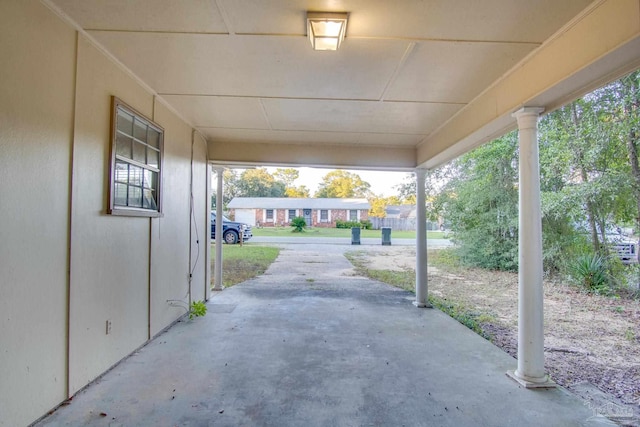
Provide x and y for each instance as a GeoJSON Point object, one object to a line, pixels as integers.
{"type": "Point", "coordinates": [240, 263]}
{"type": "Point", "coordinates": [338, 232]}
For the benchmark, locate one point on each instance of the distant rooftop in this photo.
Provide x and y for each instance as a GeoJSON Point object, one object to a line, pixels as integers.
{"type": "Point", "coordinates": [296, 203]}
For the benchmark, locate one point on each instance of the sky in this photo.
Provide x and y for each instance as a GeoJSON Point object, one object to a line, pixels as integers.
{"type": "Point", "coordinates": [382, 183]}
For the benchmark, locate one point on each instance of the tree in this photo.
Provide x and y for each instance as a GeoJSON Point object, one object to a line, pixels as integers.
{"type": "Point", "coordinates": [481, 205]}
{"type": "Point", "coordinates": [379, 205]}
{"type": "Point", "coordinates": [259, 183]}
{"type": "Point", "coordinates": [407, 189]}
{"type": "Point", "coordinates": [229, 188]}
{"type": "Point", "coordinates": [587, 167]}
{"type": "Point", "coordinates": [286, 176]}
{"type": "Point", "coordinates": [626, 122]}
{"type": "Point", "coordinates": [300, 191]}
{"type": "Point", "coordinates": [343, 184]}
{"type": "Point", "coordinates": [435, 181]}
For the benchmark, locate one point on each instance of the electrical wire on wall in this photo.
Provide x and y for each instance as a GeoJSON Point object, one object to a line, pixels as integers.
{"type": "Point", "coordinates": [193, 225]}
{"type": "Point", "coordinates": [192, 218]}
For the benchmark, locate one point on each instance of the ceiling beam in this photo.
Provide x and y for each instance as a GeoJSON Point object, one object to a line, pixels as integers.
{"type": "Point", "coordinates": [333, 156]}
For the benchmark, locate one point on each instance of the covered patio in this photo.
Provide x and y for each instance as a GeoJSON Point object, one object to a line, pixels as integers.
{"type": "Point", "coordinates": [309, 343]}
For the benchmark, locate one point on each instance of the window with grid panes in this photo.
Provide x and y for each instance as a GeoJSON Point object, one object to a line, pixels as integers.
{"type": "Point", "coordinates": [136, 162]}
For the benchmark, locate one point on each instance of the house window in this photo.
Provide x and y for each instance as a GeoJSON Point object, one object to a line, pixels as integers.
{"type": "Point", "coordinates": [136, 163]}
{"type": "Point", "coordinates": [324, 215]}
{"type": "Point", "coordinates": [353, 215]}
{"type": "Point", "coordinates": [292, 214]}
{"type": "Point", "coordinates": [269, 215]}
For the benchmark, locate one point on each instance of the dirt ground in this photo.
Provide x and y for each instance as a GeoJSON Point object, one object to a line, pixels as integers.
{"type": "Point", "coordinates": [592, 343]}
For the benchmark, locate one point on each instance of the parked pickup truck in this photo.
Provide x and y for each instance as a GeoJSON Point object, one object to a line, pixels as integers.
{"type": "Point", "coordinates": [624, 247]}
{"type": "Point", "coordinates": [231, 231]}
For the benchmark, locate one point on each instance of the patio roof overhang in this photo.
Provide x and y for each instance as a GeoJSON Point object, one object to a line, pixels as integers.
{"type": "Point", "coordinates": [414, 84]}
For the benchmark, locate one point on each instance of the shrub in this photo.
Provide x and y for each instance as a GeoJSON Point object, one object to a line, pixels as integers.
{"type": "Point", "coordinates": [197, 309]}
{"type": "Point", "coordinates": [298, 223]}
{"type": "Point", "coordinates": [346, 224]}
{"type": "Point", "coordinates": [590, 272]}
{"type": "Point", "coordinates": [366, 224]}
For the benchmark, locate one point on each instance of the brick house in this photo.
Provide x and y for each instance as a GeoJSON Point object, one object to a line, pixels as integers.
{"type": "Point", "coordinates": [279, 211]}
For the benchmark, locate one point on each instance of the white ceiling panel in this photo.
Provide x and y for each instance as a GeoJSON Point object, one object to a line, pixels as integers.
{"type": "Point", "coordinates": [220, 111]}
{"type": "Point", "coordinates": [356, 116]}
{"type": "Point", "coordinates": [268, 66]}
{"type": "Point", "coordinates": [440, 71]}
{"type": "Point", "coordinates": [200, 16]}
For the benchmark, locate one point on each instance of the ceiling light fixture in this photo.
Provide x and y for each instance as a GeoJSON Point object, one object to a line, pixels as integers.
{"type": "Point", "coordinates": [326, 29]}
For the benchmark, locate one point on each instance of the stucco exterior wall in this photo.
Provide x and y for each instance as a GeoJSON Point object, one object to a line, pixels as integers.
{"type": "Point", "coordinates": [67, 266]}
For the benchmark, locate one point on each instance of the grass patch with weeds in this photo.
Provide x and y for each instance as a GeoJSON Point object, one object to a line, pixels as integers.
{"type": "Point", "coordinates": [240, 263]}
{"type": "Point", "coordinates": [405, 279]}
{"type": "Point", "coordinates": [630, 335]}
{"type": "Point", "coordinates": [469, 318]}
{"type": "Point", "coordinates": [445, 258]}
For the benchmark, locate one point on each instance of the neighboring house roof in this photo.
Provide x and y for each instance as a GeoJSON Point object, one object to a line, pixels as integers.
{"type": "Point", "coordinates": [296, 203]}
{"type": "Point", "coordinates": [401, 211]}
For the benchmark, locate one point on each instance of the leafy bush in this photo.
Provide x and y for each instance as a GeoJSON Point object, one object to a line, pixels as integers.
{"type": "Point", "coordinates": [590, 272]}
{"type": "Point", "coordinates": [485, 246]}
{"type": "Point", "coordinates": [198, 309]}
{"type": "Point", "coordinates": [366, 224]}
{"type": "Point", "coordinates": [298, 223]}
{"type": "Point", "coordinates": [346, 224]}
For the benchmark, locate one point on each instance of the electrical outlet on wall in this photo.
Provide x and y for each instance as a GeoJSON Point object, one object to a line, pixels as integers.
{"type": "Point", "coordinates": [108, 329]}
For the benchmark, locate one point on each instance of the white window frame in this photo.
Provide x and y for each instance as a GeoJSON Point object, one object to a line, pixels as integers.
{"type": "Point", "coordinates": [273, 218]}
{"type": "Point", "coordinates": [357, 215]}
{"type": "Point", "coordinates": [289, 218]}
{"type": "Point", "coordinates": [148, 178]}
{"type": "Point", "coordinates": [324, 221]}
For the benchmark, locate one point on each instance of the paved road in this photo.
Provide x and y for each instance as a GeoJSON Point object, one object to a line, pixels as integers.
{"type": "Point", "coordinates": [369, 241]}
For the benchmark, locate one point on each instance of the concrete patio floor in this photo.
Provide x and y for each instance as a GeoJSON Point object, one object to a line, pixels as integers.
{"type": "Point", "coordinates": [311, 344]}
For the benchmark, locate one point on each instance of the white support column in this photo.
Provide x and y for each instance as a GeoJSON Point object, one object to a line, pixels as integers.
{"type": "Point", "coordinates": [530, 371]}
{"type": "Point", "coordinates": [207, 249]}
{"type": "Point", "coordinates": [217, 272]}
{"type": "Point", "coordinates": [422, 297]}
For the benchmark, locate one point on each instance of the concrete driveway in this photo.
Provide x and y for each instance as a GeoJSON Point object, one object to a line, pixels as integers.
{"type": "Point", "coordinates": [311, 344]}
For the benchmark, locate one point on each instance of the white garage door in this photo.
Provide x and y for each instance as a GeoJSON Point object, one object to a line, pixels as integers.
{"type": "Point", "coordinates": [247, 216]}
